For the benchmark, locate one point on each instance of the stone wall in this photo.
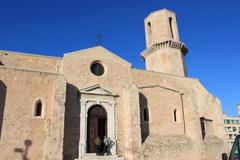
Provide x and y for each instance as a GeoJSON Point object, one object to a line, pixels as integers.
{"type": "Point", "coordinates": [210, 109]}
{"type": "Point", "coordinates": [53, 148]}
{"type": "Point", "coordinates": [21, 131]}
{"type": "Point", "coordinates": [30, 61]}
{"type": "Point", "coordinates": [194, 102]}
{"type": "Point", "coordinates": [163, 102]}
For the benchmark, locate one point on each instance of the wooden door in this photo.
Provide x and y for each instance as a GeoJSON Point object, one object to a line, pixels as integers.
{"type": "Point", "coordinates": [92, 134]}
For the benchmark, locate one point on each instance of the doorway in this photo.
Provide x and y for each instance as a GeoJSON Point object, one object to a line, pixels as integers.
{"type": "Point", "coordinates": [96, 127]}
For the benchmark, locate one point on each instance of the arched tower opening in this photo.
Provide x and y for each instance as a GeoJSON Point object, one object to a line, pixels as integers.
{"type": "Point", "coordinates": [149, 30]}
{"type": "Point", "coordinates": [170, 25]}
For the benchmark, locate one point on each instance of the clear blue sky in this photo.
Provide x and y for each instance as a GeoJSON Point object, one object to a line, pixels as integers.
{"type": "Point", "coordinates": [210, 29]}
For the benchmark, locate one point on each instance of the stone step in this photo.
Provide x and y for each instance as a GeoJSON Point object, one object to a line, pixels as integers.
{"type": "Point", "coordinates": [94, 157]}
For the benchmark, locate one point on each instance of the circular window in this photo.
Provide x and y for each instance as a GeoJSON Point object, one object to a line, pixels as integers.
{"type": "Point", "coordinates": [97, 69]}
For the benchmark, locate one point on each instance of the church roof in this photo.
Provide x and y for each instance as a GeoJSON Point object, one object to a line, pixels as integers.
{"type": "Point", "coordinates": [101, 50]}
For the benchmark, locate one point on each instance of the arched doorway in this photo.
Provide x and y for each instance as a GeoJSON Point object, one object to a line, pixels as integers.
{"type": "Point", "coordinates": [96, 126]}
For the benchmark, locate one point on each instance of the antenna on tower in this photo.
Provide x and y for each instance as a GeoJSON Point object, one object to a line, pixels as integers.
{"type": "Point", "coordinates": [99, 37]}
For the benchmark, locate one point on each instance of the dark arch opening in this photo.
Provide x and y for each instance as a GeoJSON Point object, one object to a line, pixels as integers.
{"type": "Point", "coordinates": [170, 24]}
{"type": "Point", "coordinates": [203, 127]}
{"type": "Point", "coordinates": [38, 109]}
{"type": "Point", "coordinates": [149, 30]}
{"type": "Point", "coordinates": [144, 116]}
{"type": "Point", "coordinates": [3, 92]}
{"type": "Point", "coordinates": [1, 64]}
{"type": "Point", "coordinates": [96, 127]}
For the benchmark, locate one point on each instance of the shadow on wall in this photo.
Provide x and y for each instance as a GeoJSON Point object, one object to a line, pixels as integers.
{"type": "Point", "coordinates": [144, 116]}
{"type": "Point", "coordinates": [24, 152]}
{"type": "Point", "coordinates": [71, 123]}
{"type": "Point", "coordinates": [3, 91]}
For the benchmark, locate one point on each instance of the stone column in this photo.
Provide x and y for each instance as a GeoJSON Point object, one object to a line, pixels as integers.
{"type": "Point", "coordinates": [83, 121]}
{"type": "Point", "coordinates": [111, 125]}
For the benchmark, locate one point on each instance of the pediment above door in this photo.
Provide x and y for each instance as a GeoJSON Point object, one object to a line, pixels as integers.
{"type": "Point", "coordinates": [97, 90]}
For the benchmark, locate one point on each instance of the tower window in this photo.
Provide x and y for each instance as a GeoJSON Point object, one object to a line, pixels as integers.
{"type": "Point", "coordinates": [170, 25]}
{"type": "Point", "coordinates": [38, 109]}
{"type": "Point", "coordinates": [145, 116]}
{"type": "Point", "coordinates": [149, 30]}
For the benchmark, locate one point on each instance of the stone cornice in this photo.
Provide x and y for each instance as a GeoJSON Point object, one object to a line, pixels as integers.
{"type": "Point", "coordinates": [165, 44]}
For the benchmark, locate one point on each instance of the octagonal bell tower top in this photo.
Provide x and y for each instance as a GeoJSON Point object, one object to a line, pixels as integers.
{"type": "Point", "coordinates": [161, 26]}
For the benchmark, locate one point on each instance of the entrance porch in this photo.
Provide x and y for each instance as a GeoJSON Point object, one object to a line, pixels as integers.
{"type": "Point", "coordinates": [97, 119]}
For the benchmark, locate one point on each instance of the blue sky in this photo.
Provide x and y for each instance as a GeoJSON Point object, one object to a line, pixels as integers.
{"type": "Point", "coordinates": [210, 29]}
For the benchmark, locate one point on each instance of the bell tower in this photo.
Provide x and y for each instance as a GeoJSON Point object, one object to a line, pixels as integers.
{"type": "Point", "coordinates": [164, 53]}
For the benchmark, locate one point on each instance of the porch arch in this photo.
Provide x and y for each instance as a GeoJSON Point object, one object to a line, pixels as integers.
{"type": "Point", "coordinates": [96, 127]}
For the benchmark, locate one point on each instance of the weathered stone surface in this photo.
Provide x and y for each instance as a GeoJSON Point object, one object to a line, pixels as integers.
{"type": "Point", "coordinates": [24, 87]}
{"type": "Point", "coordinates": [156, 113]}
{"type": "Point", "coordinates": [164, 53]}
{"type": "Point", "coordinates": [175, 147]}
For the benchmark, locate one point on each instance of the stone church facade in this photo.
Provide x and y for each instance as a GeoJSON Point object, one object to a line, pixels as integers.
{"type": "Point", "coordinates": [54, 108]}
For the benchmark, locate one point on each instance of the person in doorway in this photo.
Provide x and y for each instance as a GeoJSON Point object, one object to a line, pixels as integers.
{"type": "Point", "coordinates": [105, 145]}
{"type": "Point", "coordinates": [97, 144]}
{"type": "Point", "coordinates": [110, 144]}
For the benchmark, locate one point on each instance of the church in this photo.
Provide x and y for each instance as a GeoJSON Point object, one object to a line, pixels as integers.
{"type": "Point", "coordinates": [54, 108]}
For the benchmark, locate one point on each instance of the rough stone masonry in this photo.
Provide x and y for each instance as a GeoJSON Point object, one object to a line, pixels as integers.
{"type": "Point", "coordinates": [53, 108]}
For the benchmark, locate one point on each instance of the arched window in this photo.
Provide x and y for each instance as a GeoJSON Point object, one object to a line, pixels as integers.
{"type": "Point", "coordinates": [145, 115]}
{"type": "Point", "coordinates": [149, 30]}
{"type": "Point", "coordinates": [38, 109]}
{"type": "Point", "coordinates": [175, 115]}
{"type": "Point", "coordinates": [170, 25]}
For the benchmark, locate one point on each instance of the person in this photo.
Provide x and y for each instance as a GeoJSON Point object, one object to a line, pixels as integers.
{"type": "Point", "coordinates": [97, 144]}
{"type": "Point", "coordinates": [110, 144]}
{"type": "Point", "coordinates": [105, 145]}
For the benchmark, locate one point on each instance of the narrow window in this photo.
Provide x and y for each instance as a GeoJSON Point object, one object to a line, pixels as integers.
{"type": "Point", "coordinates": [38, 109]}
{"type": "Point", "coordinates": [170, 24]}
{"type": "Point", "coordinates": [149, 30]}
{"type": "Point", "coordinates": [203, 129]}
{"type": "Point", "coordinates": [175, 115]}
{"type": "Point", "coordinates": [145, 116]}
{"type": "Point", "coordinates": [3, 92]}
